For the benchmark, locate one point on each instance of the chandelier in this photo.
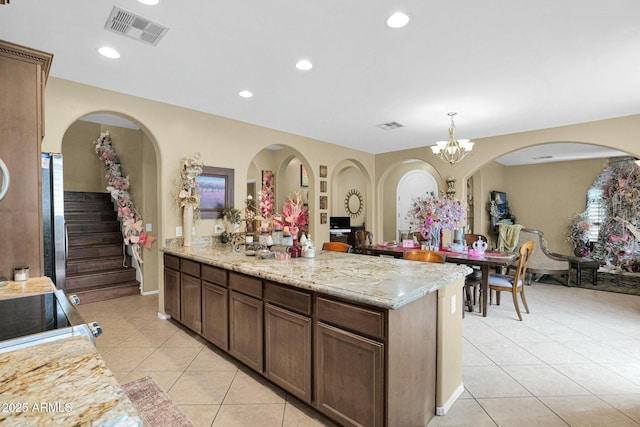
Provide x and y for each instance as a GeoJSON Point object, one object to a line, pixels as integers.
{"type": "Point", "coordinates": [452, 151]}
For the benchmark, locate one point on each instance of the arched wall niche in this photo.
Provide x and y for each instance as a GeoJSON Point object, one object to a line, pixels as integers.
{"type": "Point", "coordinates": [139, 158]}
{"type": "Point", "coordinates": [351, 179]}
{"type": "Point", "coordinates": [285, 162]}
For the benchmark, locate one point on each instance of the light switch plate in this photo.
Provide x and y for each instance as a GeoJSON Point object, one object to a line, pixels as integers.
{"type": "Point", "coordinates": [178, 231]}
{"type": "Point", "coordinates": [453, 304]}
{"type": "Point", "coordinates": [148, 227]}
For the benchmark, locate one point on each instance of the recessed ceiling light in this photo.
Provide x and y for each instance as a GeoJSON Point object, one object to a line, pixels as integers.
{"type": "Point", "coordinates": [149, 2]}
{"type": "Point", "coordinates": [245, 93]}
{"type": "Point", "coordinates": [398, 20]}
{"type": "Point", "coordinates": [304, 65]}
{"type": "Point", "coordinates": [109, 52]}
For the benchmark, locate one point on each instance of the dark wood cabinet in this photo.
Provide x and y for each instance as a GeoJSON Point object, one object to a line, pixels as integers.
{"type": "Point", "coordinates": [190, 310]}
{"type": "Point", "coordinates": [245, 329]}
{"type": "Point", "coordinates": [215, 314]}
{"type": "Point", "coordinates": [360, 365]}
{"type": "Point", "coordinates": [23, 73]}
{"type": "Point", "coordinates": [171, 287]}
{"type": "Point", "coordinates": [288, 351]}
{"type": "Point", "coordinates": [350, 362]}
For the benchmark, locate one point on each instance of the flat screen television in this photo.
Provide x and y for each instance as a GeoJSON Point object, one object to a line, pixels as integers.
{"type": "Point", "coordinates": [339, 222]}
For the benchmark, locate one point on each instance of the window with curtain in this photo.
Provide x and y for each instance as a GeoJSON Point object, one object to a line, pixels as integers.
{"type": "Point", "coordinates": [595, 212]}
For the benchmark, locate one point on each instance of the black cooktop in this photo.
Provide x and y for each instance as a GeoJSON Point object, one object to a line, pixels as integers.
{"type": "Point", "coordinates": [33, 314]}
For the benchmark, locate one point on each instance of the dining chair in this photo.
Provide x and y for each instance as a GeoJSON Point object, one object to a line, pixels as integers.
{"type": "Point", "coordinates": [514, 284]}
{"type": "Point", "coordinates": [336, 247]}
{"type": "Point", "coordinates": [424, 255]}
{"type": "Point", "coordinates": [362, 238]}
{"type": "Point", "coordinates": [473, 280]}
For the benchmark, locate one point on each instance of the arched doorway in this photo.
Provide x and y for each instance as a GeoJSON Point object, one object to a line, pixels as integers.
{"type": "Point", "coordinates": [85, 172]}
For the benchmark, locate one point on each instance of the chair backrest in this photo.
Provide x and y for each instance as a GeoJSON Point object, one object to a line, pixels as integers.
{"type": "Point", "coordinates": [523, 262]}
{"type": "Point", "coordinates": [470, 238]}
{"type": "Point", "coordinates": [361, 237]}
{"type": "Point", "coordinates": [426, 256]}
{"type": "Point", "coordinates": [336, 247]}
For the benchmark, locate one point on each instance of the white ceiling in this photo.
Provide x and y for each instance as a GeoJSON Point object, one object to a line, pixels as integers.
{"type": "Point", "coordinates": [504, 65]}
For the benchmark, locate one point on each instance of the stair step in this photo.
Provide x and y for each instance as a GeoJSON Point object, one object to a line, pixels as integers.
{"type": "Point", "coordinates": [92, 227]}
{"type": "Point", "coordinates": [82, 196]}
{"type": "Point", "coordinates": [101, 293]}
{"type": "Point", "coordinates": [73, 217]}
{"type": "Point", "coordinates": [90, 206]}
{"type": "Point", "coordinates": [97, 264]}
{"type": "Point", "coordinates": [97, 251]}
{"type": "Point", "coordinates": [100, 278]}
{"type": "Point", "coordinates": [90, 239]}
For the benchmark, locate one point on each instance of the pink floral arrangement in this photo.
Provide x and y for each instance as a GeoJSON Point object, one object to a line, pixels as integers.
{"type": "Point", "coordinates": [430, 214]}
{"type": "Point", "coordinates": [130, 220]}
{"type": "Point", "coordinates": [294, 212]}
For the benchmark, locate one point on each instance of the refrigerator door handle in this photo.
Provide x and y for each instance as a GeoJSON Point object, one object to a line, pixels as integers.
{"type": "Point", "coordinates": [5, 179]}
{"type": "Point", "coordinates": [66, 244]}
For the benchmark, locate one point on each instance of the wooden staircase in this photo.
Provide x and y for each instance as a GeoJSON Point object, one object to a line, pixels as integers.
{"type": "Point", "coordinates": [95, 259]}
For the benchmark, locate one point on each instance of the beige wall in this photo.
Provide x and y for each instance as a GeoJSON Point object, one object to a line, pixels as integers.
{"type": "Point", "coordinates": [544, 197]}
{"type": "Point", "coordinates": [619, 133]}
{"type": "Point", "coordinates": [176, 133]}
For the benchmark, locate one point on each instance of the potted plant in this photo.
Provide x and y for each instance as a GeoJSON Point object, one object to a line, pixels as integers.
{"type": "Point", "coordinates": [231, 218]}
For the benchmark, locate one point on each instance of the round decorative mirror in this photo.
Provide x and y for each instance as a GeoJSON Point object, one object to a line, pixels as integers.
{"type": "Point", "coordinates": [353, 203]}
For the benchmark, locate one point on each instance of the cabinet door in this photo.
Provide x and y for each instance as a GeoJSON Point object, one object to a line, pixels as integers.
{"type": "Point", "coordinates": [288, 351]}
{"type": "Point", "coordinates": [190, 302]}
{"type": "Point", "coordinates": [349, 377]}
{"type": "Point", "coordinates": [245, 329]}
{"type": "Point", "coordinates": [172, 293]}
{"type": "Point", "coordinates": [215, 314]}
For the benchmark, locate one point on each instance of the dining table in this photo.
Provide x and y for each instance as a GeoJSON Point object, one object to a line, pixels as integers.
{"type": "Point", "coordinates": [490, 260]}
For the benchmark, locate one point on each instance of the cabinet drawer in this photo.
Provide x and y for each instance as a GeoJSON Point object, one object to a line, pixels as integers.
{"type": "Point", "coordinates": [351, 317]}
{"type": "Point", "coordinates": [171, 261]}
{"type": "Point", "coordinates": [214, 275]}
{"type": "Point", "coordinates": [189, 267]}
{"type": "Point", "coordinates": [293, 299]}
{"type": "Point", "coordinates": [245, 284]}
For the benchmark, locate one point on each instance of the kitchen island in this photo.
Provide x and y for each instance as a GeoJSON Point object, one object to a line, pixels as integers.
{"type": "Point", "coordinates": [367, 341]}
{"type": "Point", "coordinates": [55, 379]}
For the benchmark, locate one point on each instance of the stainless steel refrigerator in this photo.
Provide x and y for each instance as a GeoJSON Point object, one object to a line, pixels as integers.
{"type": "Point", "coordinates": [54, 227]}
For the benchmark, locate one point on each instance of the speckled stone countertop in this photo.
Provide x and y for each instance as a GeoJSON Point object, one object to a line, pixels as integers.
{"type": "Point", "coordinates": [382, 282]}
{"type": "Point", "coordinates": [63, 382]}
{"type": "Point", "coordinates": [32, 286]}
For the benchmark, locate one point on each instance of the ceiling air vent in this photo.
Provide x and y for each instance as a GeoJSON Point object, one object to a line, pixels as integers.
{"type": "Point", "coordinates": [390, 125]}
{"type": "Point", "coordinates": [135, 26]}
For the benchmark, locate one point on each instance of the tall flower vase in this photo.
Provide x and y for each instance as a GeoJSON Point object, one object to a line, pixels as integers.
{"type": "Point", "coordinates": [187, 225]}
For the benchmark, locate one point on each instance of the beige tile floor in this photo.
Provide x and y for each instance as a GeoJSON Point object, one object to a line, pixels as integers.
{"type": "Point", "coordinates": [574, 361]}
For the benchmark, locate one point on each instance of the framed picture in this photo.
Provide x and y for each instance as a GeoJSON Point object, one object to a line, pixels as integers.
{"type": "Point", "coordinates": [323, 186]}
{"type": "Point", "coordinates": [323, 171]}
{"type": "Point", "coordinates": [304, 177]}
{"type": "Point", "coordinates": [216, 190]}
{"type": "Point", "coordinates": [500, 199]}
{"type": "Point", "coordinates": [323, 218]}
{"type": "Point", "coordinates": [324, 202]}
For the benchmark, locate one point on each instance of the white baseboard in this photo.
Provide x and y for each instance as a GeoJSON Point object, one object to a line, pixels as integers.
{"type": "Point", "coordinates": [149, 292]}
{"type": "Point", "coordinates": [442, 410]}
{"type": "Point", "coordinates": [163, 316]}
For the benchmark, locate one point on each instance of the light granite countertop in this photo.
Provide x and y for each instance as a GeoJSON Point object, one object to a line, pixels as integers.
{"type": "Point", "coordinates": [32, 286]}
{"type": "Point", "coordinates": [383, 282]}
{"type": "Point", "coordinates": [63, 382]}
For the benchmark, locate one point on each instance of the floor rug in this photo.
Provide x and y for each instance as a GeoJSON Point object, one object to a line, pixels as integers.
{"type": "Point", "coordinates": [622, 283]}
{"type": "Point", "coordinates": [154, 405]}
